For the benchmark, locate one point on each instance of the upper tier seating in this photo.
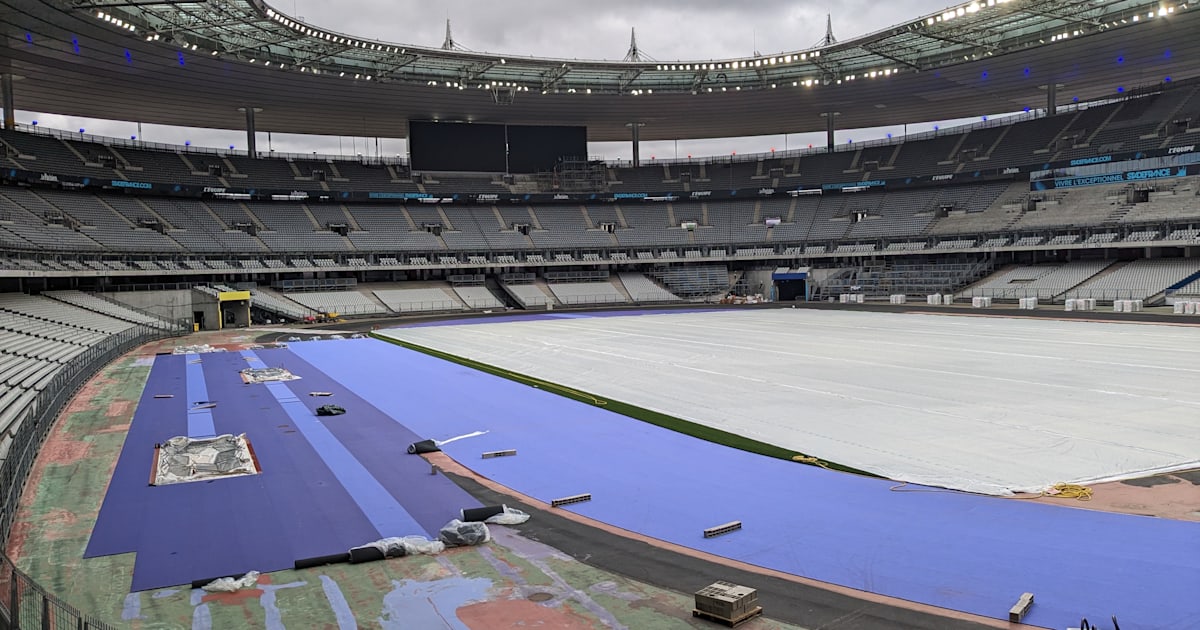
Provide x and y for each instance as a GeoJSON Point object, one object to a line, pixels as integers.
{"type": "Point", "coordinates": [1136, 123]}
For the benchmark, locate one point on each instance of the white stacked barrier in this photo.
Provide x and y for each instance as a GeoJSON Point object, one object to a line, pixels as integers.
{"type": "Point", "coordinates": [1028, 304]}
{"type": "Point", "coordinates": [934, 300]}
{"type": "Point", "coordinates": [947, 300]}
{"type": "Point", "coordinates": [844, 298]}
{"type": "Point", "coordinates": [1187, 308]}
{"type": "Point", "coordinates": [1127, 306]}
{"type": "Point", "coordinates": [1080, 304]}
{"type": "Point", "coordinates": [899, 299]}
{"type": "Point", "coordinates": [852, 298]}
{"type": "Point", "coordinates": [981, 302]}
{"type": "Point", "coordinates": [860, 298]}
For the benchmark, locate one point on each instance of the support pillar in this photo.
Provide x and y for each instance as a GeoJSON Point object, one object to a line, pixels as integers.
{"type": "Point", "coordinates": [829, 129]}
{"type": "Point", "coordinates": [6, 94]}
{"type": "Point", "coordinates": [251, 141]}
{"type": "Point", "coordinates": [1051, 99]}
{"type": "Point", "coordinates": [635, 129]}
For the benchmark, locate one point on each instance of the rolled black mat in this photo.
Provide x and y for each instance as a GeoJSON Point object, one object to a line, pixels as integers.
{"type": "Point", "coordinates": [359, 555]}
{"type": "Point", "coordinates": [424, 446]}
{"type": "Point", "coordinates": [480, 514]}
{"type": "Point", "coordinates": [320, 561]}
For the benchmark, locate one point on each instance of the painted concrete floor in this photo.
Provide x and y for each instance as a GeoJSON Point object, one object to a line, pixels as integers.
{"type": "Point", "coordinates": [511, 583]}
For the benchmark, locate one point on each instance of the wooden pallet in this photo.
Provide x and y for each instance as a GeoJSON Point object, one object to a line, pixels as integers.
{"type": "Point", "coordinates": [732, 623]}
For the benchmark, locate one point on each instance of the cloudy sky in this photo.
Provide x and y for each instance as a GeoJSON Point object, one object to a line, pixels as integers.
{"type": "Point", "coordinates": [667, 30]}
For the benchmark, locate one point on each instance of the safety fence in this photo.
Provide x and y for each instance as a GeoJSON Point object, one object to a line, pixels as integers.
{"type": "Point", "coordinates": [23, 602]}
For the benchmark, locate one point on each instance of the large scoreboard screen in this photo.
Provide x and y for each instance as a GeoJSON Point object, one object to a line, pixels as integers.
{"type": "Point", "coordinates": [492, 148]}
{"type": "Point", "coordinates": [451, 146]}
{"type": "Point", "coordinates": [535, 149]}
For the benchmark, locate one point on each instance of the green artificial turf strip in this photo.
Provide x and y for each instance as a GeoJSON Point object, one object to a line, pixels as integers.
{"type": "Point", "coordinates": [645, 415]}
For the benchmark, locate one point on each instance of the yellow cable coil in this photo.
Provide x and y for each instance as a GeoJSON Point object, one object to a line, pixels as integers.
{"type": "Point", "coordinates": [1069, 491]}
{"type": "Point", "coordinates": [1057, 491]}
{"type": "Point", "coordinates": [812, 461]}
{"type": "Point", "coordinates": [547, 385]}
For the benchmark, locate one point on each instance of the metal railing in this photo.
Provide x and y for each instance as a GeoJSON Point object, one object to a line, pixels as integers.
{"type": "Point", "coordinates": [587, 300]}
{"type": "Point", "coordinates": [142, 145]}
{"type": "Point", "coordinates": [23, 602]}
{"type": "Point", "coordinates": [429, 306]}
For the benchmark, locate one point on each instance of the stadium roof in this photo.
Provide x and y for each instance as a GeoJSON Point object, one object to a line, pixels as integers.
{"type": "Point", "coordinates": [195, 63]}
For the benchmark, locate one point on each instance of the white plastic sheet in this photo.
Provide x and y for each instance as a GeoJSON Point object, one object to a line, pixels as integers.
{"type": "Point", "coordinates": [984, 405]}
{"type": "Point", "coordinates": [232, 585]}
{"type": "Point", "coordinates": [509, 516]}
{"type": "Point", "coordinates": [395, 547]}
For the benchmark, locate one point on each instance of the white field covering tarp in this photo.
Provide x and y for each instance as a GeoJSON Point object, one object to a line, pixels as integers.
{"type": "Point", "coordinates": [981, 404]}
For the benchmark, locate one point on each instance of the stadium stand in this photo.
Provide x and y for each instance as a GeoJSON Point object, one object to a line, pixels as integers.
{"type": "Point", "coordinates": [279, 306]}
{"type": "Point", "coordinates": [587, 293]}
{"type": "Point", "coordinates": [880, 279]}
{"type": "Point", "coordinates": [340, 302]}
{"type": "Point", "coordinates": [1040, 281]}
{"type": "Point", "coordinates": [694, 281]}
{"type": "Point", "coordinates": [644, 290]}
{"type": "Point", "coordinates": [43, 346]}
{"type": "Point", "coordinates": [45, 230]}
{"type": "Point", "coordinates": [1137, 280]}
{"type": "Point", "coordinates": [102, 305]}
{"type": "Point", "coordinates": [477, 297]}
{"type": "Point", "coordinates": [416, 300]}
{"type": "Point", "coordinates": [524, 290]}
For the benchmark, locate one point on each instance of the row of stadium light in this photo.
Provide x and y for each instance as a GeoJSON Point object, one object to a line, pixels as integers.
{"type": "Point", "coordinates": [100, 15]}
{"type": "Point", "coordinates": [1163, 11]}
{"type": "Point", "coordinates": [330, 37]}
{"type": "Point", "coordinates": [737, 65]}
{"type": "Point", "coordinates": [964, 10]}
